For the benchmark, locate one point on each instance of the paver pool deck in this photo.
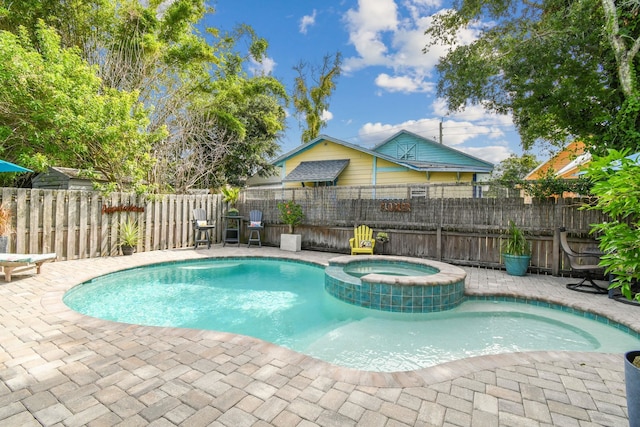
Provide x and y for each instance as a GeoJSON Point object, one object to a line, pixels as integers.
{"type": "Point", "coordinates": [61, 368]}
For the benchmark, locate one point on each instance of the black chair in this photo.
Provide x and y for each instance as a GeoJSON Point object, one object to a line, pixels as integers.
{"type": "Point", "coordinates": [585, 264]}
{"type": "Point", "coordinates": [201, 228]}
{"type": "Point", "coordinates": [254, 227]}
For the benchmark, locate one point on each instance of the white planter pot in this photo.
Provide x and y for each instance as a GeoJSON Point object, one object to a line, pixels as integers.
{"type": "Point", "coordinates": [291, 242]}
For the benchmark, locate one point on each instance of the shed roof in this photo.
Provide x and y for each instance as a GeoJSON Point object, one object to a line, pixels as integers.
{"type": "Point", "coordinates": [77, 173]}
{"type": "Point", "coordinates": [317, 171]}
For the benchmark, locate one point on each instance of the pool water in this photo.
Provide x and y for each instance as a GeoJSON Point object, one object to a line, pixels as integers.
{"type": "Point", "coordinates": [284, 302]}
{"type": "Point", "coordinates": [389, 269]}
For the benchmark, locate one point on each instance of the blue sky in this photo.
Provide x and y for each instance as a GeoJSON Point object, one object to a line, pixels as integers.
{"type": "Point", "coordinates": [387, 83]}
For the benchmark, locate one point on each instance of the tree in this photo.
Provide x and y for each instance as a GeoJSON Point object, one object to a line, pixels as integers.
{"type": "Point", "coordinates": [616, 186]}
{"type": "Point", "coordinates": [512, 170]}
{"type": "Point", "coordinates": [563, 69]}
{"type": "Point", "coordinates": [54, 111]}
{"type": "Point", "coordinates": [211, 113]}
{"type": "Point", "coordinates": [312, 102]}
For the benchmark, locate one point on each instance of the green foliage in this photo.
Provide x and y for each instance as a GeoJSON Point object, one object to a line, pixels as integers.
{"type": "Point", "coordinates": [554, 65]}
{"type": "Point", "coordinates": [616, 181]}
{"type": "Point", "coordinates": [230, 195]}
{"type": "Point", "coordinates": [382, 237]}
{"type": "Point", "coordinates": [311, 102]}
{"type": "Point", "coordinates": [209, 124]}
{"type": "Point", "coordinates": [624, 131]}
{"type": "Point", "coordinates": [549, 185]}
{"type": "Point", "coordinates": [516, 242]}
{"type": "Point", "coordinates": [513, 169]}
{"type": "Point", "coordinates": [290, 213]}
{"type": "Point", "coordinates": [251, 111]}
{"type": "Point", "coordinates": [53, 111]}
{"type": "Point", "coordinates": [129, 233]}
{"type": "Point", "coordinates": [510, 174]}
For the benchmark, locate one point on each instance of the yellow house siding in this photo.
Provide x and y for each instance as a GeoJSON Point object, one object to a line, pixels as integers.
{"type": "Point", "coordinates": [404, 177]}
{"type": "Point", "coordinates": [359, 171]}
{"type": "Point", "coordinates": [364, 169]}
{"type": "Point", "coordinates": [450, 177]}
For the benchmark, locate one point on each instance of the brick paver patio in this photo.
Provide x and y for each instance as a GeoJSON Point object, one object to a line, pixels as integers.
{"type": "Point", "coordinates": [60, 368]}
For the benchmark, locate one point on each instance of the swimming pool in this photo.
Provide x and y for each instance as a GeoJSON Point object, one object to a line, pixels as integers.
{"type": "Point", "coordinates": [284, 302]}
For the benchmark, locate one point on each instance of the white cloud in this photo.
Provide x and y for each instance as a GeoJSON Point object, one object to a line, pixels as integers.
{"type": "Point", "coordinates": [265, 67]}
{"type": "Point", "coordinates": [469, 131]}
{"type": "Point", "coordinates": [454, 133]}
{"type": "Point", "coordinates": [374, 16]}
{"type": "Point", "coordinates": [473, 113]}
{"type": "Point", "coordinates": [366, 26]}
{"type": "Point", "coordinates": [374, 133]}
{"type": "Point", "coordinates": [405, 84]}
{"type": "Point", "coordinates": [307, 21]}
{"type": "Point", "coordinates": [326, 115]}
{"type": "Point", "coordinates": [381, 38]}
{"type": "Point", "coordinates": [430, 4]}
{"type": "Point", "coordinates": [494, 154]}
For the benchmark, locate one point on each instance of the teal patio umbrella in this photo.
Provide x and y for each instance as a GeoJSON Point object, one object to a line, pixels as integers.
{"type": "Point", "coordinates": [10, 167]}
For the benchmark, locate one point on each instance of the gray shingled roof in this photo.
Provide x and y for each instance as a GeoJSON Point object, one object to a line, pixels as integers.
{"type": "Point", "coordinates": [317, 171]}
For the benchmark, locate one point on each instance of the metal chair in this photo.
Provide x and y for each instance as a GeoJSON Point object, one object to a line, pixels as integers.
{"type": "Point", "coordinates": [201, 228]}
{"type": "Point", "coordinates": [254, 227]}
{"type": "Point", "coordinates": [588, 270]}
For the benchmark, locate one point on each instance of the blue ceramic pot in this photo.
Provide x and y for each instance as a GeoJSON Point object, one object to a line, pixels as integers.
{"type": "Point", "coordinates": [632, 382]}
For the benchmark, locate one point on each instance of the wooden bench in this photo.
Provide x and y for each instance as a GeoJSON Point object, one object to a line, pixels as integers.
{"type": "Point", "coordinates": [11, 263]}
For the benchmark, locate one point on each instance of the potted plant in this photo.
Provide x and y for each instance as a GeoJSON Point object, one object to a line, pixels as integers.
{"type": "Point", "coordinates": [516, 251]}
{"type": "Point", "coordinates": [129, 236]}
{"type": "Point", "coordinates": [382, 237]}
{"type": "Point", "coordinates": [233, 212]}
{"type": "Point", "coordinates": [632, 385]}
{"type": "Point", "coordinates": [230, 196]}
{"type": "Point", "coordinates": [291, 214]}
{"type": "Point", "coordinates": [5, 228]}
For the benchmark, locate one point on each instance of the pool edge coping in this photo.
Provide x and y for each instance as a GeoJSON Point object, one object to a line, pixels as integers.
{"type": "Point", "coordinates": [52, 302]}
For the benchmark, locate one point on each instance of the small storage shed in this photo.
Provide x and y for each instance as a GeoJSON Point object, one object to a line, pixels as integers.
{"type": "Point", "coordinates": [57, 178]}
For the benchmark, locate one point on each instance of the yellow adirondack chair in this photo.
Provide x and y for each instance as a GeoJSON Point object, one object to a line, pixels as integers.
{"type": "Point", "coordinates": [363, 241]}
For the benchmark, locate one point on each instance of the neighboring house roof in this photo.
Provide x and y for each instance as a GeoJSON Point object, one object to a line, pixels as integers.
{"type": "Point", "coordinates": [425, 154]}
{"type": "Point", "coordinates": [317, 171]}
{"type": "Point", "coordinates": [572, 169]}
{"type": "Point", "coordinates": [428, 156]}
{"type": "Point", "coordinates": [565, 164]}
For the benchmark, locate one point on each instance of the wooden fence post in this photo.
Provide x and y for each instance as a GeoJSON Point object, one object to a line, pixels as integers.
{"type": "Point", "coordinates": [557, 221]}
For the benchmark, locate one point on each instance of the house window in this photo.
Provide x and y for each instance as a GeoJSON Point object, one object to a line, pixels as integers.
{"type": "Point", "coordinates": [406, 151]}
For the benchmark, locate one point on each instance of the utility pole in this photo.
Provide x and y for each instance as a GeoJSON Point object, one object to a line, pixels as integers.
{"type": "Point", "coordinates": [440, 131]}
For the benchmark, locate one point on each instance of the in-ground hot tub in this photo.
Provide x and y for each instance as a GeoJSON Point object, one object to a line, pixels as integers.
{"type": "Point", "coordinates": [390, 283]}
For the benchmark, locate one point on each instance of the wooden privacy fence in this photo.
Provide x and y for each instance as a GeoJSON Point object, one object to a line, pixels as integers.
{"type": "Point", "coordinates": [458, 230]}
{"type": "Point", "coordinates": [467, 231]}
{"type": "Point", "coordinates": [82, 224]}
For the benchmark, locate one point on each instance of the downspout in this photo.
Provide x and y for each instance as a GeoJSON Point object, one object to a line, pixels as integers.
{"type": "Point", "coordinates": [375, 176]}
{"type": "Point", "coordinates": [283, 174]}
{"type": "Point", "coordinates": [375, 170]}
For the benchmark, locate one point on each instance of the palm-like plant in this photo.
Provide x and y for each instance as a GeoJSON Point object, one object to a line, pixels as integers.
{"type": "Point", "coordinates": [516, 243]}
